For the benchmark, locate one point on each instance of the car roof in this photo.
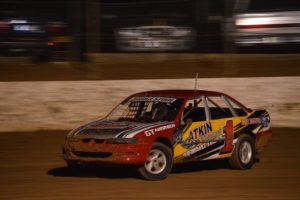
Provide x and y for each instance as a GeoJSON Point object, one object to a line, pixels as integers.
{"type": "Point", "coordinates": [180, 93]}
{"type": "Point", "coordinates": [186, 94]}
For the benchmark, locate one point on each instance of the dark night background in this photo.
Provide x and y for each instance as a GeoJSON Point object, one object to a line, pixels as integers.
{"type": "Point", "coordinates": [92, 23]}
{"type": "Point", "coordinates": [62, 64]}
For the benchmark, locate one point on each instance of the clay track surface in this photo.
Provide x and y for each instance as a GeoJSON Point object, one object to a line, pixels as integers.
{"type": "Point", "coordinates": [31, 167]}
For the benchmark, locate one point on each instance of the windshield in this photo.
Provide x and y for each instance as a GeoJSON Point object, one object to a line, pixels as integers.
{"type": "Point", "coordinates": [147, 109]}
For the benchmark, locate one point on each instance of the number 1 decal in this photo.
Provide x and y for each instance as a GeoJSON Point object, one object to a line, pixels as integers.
{"type": "Point", "coordinates": [228, 146]}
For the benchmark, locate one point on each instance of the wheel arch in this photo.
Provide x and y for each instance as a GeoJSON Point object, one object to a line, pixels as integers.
{"type": "Point", "coordinates": [252, 135]}
{"type": "Point", "coordinates": [165, 141]}
{"type": "Point", "coordinates": [163, 144]}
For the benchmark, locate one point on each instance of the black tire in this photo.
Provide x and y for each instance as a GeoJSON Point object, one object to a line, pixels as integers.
{"type": "Point", "coordinates": [160, 166]}
{"type": "Point", "coordinates": [244, 153]}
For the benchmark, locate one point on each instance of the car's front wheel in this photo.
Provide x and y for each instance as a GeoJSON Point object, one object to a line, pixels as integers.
{"type": "Point", "coordinates": [244, 154]}
{"type": "Point", "coordinates": [158, 163]}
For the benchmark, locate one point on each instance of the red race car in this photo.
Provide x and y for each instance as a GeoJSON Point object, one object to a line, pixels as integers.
{"type": "Point", "coordinates": [156, 129]}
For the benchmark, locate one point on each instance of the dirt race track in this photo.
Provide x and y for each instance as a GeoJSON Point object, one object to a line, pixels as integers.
{"type": "Point", "coordinates": [31, 167]}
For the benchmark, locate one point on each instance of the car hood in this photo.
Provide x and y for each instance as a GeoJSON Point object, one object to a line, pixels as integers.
{"type": "Point", "coordinates": [105, 129]}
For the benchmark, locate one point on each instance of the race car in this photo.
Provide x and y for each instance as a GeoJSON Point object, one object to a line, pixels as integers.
{"type": "Point", "coordinates": [156, 129]}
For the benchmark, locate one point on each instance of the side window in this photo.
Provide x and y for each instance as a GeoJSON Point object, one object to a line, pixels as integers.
{"type": "Point", "coordinates": [218, 108]}
{"type": "Point", "coordinates": [237, 108]}
{"type": "Point", "coordinates": [194, 110]}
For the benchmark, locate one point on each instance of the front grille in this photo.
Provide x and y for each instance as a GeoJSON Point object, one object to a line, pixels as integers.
{"type": "Point", "coordinates": [88, 140]}
{"type": "Point", "coordinates": [92, 154]}
{"type": "Point", "coordinates": [85, 140]}
{"type": "Point", "coordinates": [99, 141]}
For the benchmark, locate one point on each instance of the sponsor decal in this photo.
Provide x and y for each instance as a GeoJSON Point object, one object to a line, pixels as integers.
{"type": "Point", "coordinates": [209, 138]}
{"type": "Point", "coordinates": [201, 131]}
{"type": "Point", "coordinates": [264, 120]}
{"type": "Point", "coordinates": [161, 128]}
{"type": "Point", "coordinates": [199, 135]}
{"type": "Point", "coordinates": [251, 121]}
{"type": "Point", "coordinates": [198, 148]}
{"type": "Point", "coordinates": [155, 99]}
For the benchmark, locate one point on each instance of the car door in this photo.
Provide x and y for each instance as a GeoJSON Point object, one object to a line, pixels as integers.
{"type": "Point", "coordinates": [207, 131]}
{"type": "Point", "coordinates": [223, 118]}
{"type": "Point", "coordinates": [195, 123]}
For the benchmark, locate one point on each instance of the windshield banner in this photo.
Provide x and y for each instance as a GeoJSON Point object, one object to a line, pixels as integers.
{"type": "Point", "coordinates": [154, 99]}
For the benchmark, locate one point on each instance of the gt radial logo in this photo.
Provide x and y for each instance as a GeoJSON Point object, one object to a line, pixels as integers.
{"type": "Point", "coordinates": [158, 129]}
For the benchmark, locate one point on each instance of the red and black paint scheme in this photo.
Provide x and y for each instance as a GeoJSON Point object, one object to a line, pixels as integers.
{"type": "Point", "coordinates": [155, 129]}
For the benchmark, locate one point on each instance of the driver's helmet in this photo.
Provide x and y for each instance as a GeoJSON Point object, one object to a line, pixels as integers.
{"type": "Point", "coordinates": [159, 111]}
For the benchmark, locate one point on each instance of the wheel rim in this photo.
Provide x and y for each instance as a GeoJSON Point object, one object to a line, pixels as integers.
{"type": "Point", "coordinates": [156, 161]}
{"type": "Point", "coordinates": [245, 152]}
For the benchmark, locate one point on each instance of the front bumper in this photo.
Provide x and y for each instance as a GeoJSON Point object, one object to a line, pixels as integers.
{"type": "Point", "coordinates": [103, 153]}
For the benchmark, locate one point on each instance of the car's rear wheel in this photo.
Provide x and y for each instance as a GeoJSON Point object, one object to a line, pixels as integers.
{"type": "Point", "coordinates": [244, 154]}
{"type": "Point", "coordinates": [158, 163]}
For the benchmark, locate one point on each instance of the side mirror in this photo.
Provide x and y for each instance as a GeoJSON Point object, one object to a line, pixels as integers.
{"type": "Point", "coordinates": [186, 122]}
{"type": "Point", "coordinates": [182, 123]}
